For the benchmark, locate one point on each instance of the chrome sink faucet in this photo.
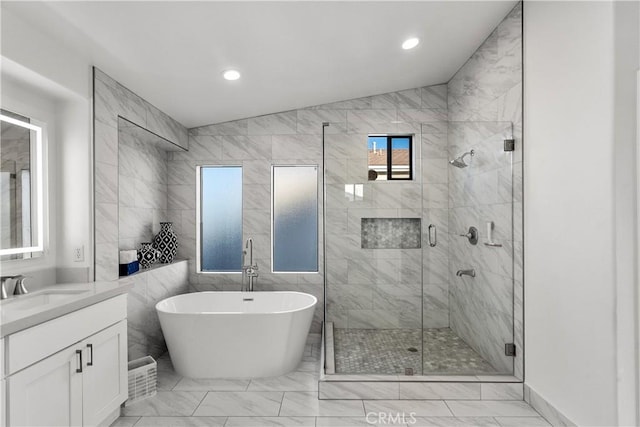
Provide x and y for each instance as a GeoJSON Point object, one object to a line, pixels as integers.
{"type": "Point", "coordinates": [19, 288]}
{"type": "Point", "coordinates": [250, 270]}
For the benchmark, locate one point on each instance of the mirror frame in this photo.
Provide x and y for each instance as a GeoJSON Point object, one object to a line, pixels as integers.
{"type": "Point", "coordinates": [38, 235]}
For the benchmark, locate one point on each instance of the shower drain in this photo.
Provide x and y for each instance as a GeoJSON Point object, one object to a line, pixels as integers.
{"type": "Point", "coordinates": [412, 349]}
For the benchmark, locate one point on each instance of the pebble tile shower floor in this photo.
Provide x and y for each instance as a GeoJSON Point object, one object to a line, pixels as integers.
{"type": "Point", "coordinates": [393, 351]}
{"type": "Point", "coordinates": [292, 400]}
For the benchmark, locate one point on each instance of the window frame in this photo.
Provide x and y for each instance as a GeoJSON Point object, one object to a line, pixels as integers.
{"type": "Point", "coordinates": [199, 247]}
{"type": "Point", "coordinates": [318, 218]}
{"type": "Point", "coordinates": [390, 137]}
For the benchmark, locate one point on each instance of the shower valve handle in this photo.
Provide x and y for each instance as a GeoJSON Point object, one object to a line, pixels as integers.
{"type": "Point", "coordinates": [472, 235]}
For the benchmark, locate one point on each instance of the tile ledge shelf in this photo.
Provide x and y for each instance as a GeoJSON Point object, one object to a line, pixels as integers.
{"type": "Point", "coordinates": [155, 266]}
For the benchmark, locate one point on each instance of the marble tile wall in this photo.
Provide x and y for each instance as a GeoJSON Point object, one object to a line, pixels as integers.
{"type": "Point", "coordinates": [366, 288]}
{"type": "Point", "coordinates": [113, 101]}
{"type": "Point", "coordinates": [150, 287]}
{"type": "Point", "coordinates": [485, 107]}
{"type": "Point", "coordinates": [142, 189]}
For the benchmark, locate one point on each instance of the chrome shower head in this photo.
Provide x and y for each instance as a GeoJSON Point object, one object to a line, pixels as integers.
{"type": "Point", "coordinates": [459, 161]}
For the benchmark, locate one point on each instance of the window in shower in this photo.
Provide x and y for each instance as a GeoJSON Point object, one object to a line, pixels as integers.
{"type": "Point", "coordinates": [390, 157]}
{"type": "Point", "coordinates": [220, 219]}
{"type": "Point", "coordinates": [295, 219]}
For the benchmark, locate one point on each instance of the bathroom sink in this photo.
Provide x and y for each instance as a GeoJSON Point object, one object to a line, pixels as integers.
{"type": "Point", "coordinates": [38, 299]}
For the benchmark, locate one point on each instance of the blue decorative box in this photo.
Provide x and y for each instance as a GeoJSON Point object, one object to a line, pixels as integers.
{"type": "Point", "coordinates": [127, 269]}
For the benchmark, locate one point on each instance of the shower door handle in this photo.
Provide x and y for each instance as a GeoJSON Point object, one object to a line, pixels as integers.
{"type": "Point", "coordinates": [433, 235]}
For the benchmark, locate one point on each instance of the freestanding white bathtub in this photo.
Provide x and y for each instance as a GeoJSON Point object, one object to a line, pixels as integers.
{"type": "Point", "coordinates": [236, 334]}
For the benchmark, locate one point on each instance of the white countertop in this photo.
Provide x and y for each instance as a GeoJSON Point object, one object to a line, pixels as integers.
{"type": "Point", "coordinates": [79, 295]}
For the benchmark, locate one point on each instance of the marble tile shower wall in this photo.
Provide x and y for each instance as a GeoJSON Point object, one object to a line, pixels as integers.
{"type": "Point", "coordinates": [485, 99]}
{"type": "Point", "coordinates": [142, 190]}
{"type": "Point", "coordinates": [366, 288]}
{"type": "Point", "coordinates": [382, 288]}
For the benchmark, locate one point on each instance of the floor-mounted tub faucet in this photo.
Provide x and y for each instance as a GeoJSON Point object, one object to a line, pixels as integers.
{"type": "Point", "coordinates": [250, 269]}
{"type": "Point", "coordinates": [470, 272]}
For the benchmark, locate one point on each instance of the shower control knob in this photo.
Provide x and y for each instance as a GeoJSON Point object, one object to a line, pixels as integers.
{"type": "Point", "coordinates": [472, 235]}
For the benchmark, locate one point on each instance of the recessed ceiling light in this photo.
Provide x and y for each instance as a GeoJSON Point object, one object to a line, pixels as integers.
{"type": "Point", "coordinates": [410, 43]}
{"type": "Point", "coordinates": [231, 75]}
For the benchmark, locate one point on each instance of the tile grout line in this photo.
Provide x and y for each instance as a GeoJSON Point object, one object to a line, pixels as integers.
{"type": "Point", "coordinates": [448, 407]}
{"type": "Point", "coordinates": [201, 400]}
{"type": "Point", "coordinates": [281, 401]}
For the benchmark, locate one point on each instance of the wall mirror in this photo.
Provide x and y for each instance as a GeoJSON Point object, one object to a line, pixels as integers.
{"type": "Point", "coordinates": [21, 187]}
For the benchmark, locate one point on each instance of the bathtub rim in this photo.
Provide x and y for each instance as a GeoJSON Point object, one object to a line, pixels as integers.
{"type": "Point", "coordinates": [208, 313]}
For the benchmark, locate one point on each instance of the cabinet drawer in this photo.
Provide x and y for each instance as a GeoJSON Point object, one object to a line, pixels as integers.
{"type": "Point", "coordinates": [34, 344]}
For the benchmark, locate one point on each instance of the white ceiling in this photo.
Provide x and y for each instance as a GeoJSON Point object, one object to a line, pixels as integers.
{"type": "Point", "coordinates": [291, 54]}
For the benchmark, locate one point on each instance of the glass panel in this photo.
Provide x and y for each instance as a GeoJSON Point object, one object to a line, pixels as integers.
{"type": "Point", "coordinates": [377, 154]}
{"type": "Point", "coordinates": [221, 218]}
{"type": "Point", "coordinates": [401, 158]}
{"type": "Point", "coordinates": [295, 218]}
{"type": "Point", "coordinates": [468, 319]}
{"type": "Point", "coordinates": [373, 264]}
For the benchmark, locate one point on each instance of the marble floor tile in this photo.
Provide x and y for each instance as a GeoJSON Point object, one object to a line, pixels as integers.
{"type": "Point", "coordinates": [181, 422]}
{"type": "Point", "coordinates": [273, 402]}
{"type": "Point", "coordinates": [372, 420]}
{"type": "Point", "coordinates": [433, 408]}
{"type": "Point", "coordinates": [222, 384]}
{"type": "Point", "coordinates": [490, 408]}
{"type": "Point", "coordinates": [307, 404]}
{"type": "Point", "coordinates": [359, 390]}
{"type": "Point", "coordinates": [166, 403]}
{"type": "Point", "coordinates": [238, 404]}
{"type": "Point", "coordinates": [309, 366]}
{"type": "Point", "coordinates": [455, 422]}
{"type": "Point", "coordinates": [521, 421]}
{"type": "Point", "coordinates": [125, 422]}
{"type": "Point", "coordinates": [294, 381]}
{"type": "Point", "coordinates": [271, 422]}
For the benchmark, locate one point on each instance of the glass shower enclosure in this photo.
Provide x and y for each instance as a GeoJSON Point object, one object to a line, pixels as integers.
{"type": "Point", "coordinates": [419, 276]}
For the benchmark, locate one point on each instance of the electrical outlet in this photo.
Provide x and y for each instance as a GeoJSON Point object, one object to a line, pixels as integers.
{"type": "Point", "coordinates": [78, 254]}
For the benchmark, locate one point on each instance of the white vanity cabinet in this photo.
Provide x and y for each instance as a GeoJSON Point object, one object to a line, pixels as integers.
{"type": "Point", "coordinates": [3, 388]}
{"type": "Point", "coordinates": [69, 371]}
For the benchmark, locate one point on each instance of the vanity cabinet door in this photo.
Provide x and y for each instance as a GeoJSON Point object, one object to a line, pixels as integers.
{"type": "Point", "coordinates": [48, 393]}
{"type": "Point", "coordinates": [105, 374]}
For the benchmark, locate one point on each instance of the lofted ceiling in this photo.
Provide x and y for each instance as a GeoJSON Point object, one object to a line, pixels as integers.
{"type": "Point", "coordinates": [291, 54]}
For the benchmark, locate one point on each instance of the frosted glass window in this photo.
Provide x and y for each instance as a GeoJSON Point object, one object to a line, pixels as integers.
{"type": "Point", "coordinates": [221, 216]}
{"type": "Point", "coordinates": [295, 219]}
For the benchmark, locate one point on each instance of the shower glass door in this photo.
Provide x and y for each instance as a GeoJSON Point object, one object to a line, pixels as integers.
{"type": "Point", "coordinates": [468, 275]}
